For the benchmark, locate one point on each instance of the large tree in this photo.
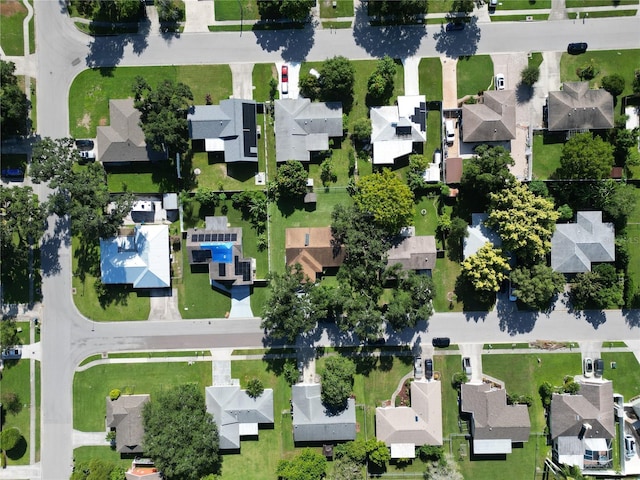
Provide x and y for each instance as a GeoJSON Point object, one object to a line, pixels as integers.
{"type": "Point", "coordinates": [22, 217]}
{"type": "Point", "coordinates": [598, 288]}
{"type": "Point", "coordinates": [524, 221]}
{"type": "Point", "coordinates": [290, 180]}
{"type": "Point", "coordinates": [585, 156]}
{"type": "Point", "coordinates": [14, 106]}
{"type": "Point", "coordinates": [307, 465]}
{"type": "Point", "coordinates": [337, 382]}
{"type": "Point", "coordinates": [80, 193]}
{"type": "Point", "coordinates": [486, 269]}
{"type": "Point", "coordinates": [337, 78]}
{"type": "Point", "coordinates": [380, 84]}
{"type": "Point", "coordinates": [402, 8]}
{"type": "Point", "coordinates": [536, 286]}
{"type": "Point", "coordinates": [487, 172]}
{"type": "Point", "coordinates": [614, 84]}
{"type": "Point", "coordinates": [616, 199]}
{"type": "Point", "coordinates": [180, 435]}
{"type": "Point", "coordinates": [411, 300]}
{"type": "Point", "coordinates": [287, 311]}
{"type": "Point", "coordinates": [9, 332]}
{"type": "Point", "coordinates": [296, 10]}
{"type": "Point", "coordinates": [163, 114]}
{"type": "Point", "coordinates": [387, 198]}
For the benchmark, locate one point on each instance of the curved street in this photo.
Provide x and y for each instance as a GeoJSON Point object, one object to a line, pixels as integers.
{"type": "Point", "coordinates": [68, 338]}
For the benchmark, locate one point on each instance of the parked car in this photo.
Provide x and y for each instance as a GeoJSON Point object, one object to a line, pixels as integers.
{"type": "Point", "coordinates": [577, 48]}
{"type": "Point", "coordinates": [88, 155]}
{"type": "Point", "coordinates": [285, 79]}
{"type": "Point", "coordinates": [466, 365]}
{"type": "Point", "coordinates": [500, 81]}
{"type": "Point", "coordinates": [493, 3]}
{"type": "Point", "coordinates": [450, 129]}
{"type": "Point", "coordinates": [417, 367]}
{"type": "Point", "coordinates": [598, 367]}
{"type": "Point", "coordinates": [12, 353]}
{"type": "Point", "coordinates": [442, 342]}
{"type": "Point", "coordinates": [629, 447]}
{"type": "Point", "coordinates": [12, 172]}
{"type": "Point", "coordinates": [588, 367]}
{"type": "Point", "coordinates": [428, 368]}
{"type": "Point", "coordinates": [512, 292]}
{"type": "Point", "coordinates": [84, 144]}
{"type": "Point", "coordinates": [454, 26]}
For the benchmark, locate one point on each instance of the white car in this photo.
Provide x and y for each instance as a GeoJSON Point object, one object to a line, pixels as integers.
{"type": "Point", "coordinates": [629, 447]}
{"type": "Point", "coordinates": [88, 155]}
{"type": "Point", "coordinates": [499, 81]}
{"type": "Point", "coordinates": [588, 367]}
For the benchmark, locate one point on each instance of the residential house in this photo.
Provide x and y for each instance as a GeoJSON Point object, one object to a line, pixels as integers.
{"type": "Point", "coordinates": [583, 427]}
{"type": "Point", "coordinates": [493, 119]}
{"type": "Point", "coordinates": [314, 249]}
{"type": "Point", "coordinates": [303, 127]}
{"type": "Point", "coordinates": [138, 256]}
{"type": "Point", "coordinates": [314, 423]}
{"type": "Point", "coordinates": [142, 469]}
{"type": "Point", "coordinates": [124, 415]}
{"type": "Point", "coordinates": [237, 414]}
{"type": "Point", "coordinates": [397, 131]}
{"type": "Point", "coordinates": [403, 429]}
{"type": "Point", "coordinates": [123, 142]}
{"type": "Point", "coordinates": [577, 107]}
{"type": "Point", "coordinates": [413, 252]}
{"type": "Point", "coordinates": [575, 246]}
{"type": "Point", "coordinates": [230, 127]}
{"type": "Point", "coordinates": [495, 425]}
{"type": "Point", "coordinates": [478, 234]}
{"type": "Point", "coordinates": [219, 247]}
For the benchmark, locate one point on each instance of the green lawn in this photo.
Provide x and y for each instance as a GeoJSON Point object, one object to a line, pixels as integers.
{"type": "Point", "coordinates": [91, 386]}
{"type": "Point", "coordinates": [522, 374]}
{"type": "Point", "coordinates": [434, 132]}
{"type": "Point", "coordinates": [122, 303]}
{"type": "Point", "coordinates": [447, 366]}
{"type": "Point", "coordinates": [262, 74]}
{"type": "Point", "coordinates": [606, 13]}
{"type": "Point", "coordinates": [11, 34]}
{"type": "Point", "coordinates": [84, 454]}
{"type": "Point", "coordinates": [444, 277]}
{"type": "Point", "coordinates": [235, 10]}
{"type": "Point", "coordinates": [622, 62]}
{"type": "Point", "coordinates": [598, 3]}
{"type": "Point", "coordinates": [547, 148]}
{"type": "Point", "coordinates": [475, 74]}
{"type": "Point", "coordinates": [343, 8]}
{"type": "Point", "coordinates": [259, 297]}
{"type": "Point", "coordinates": [15, 379]}
{"type": "Point", "coordinates": [336, 25]}
{"type": "Point", "coordinates": [92, 89]}
{"type": "Point", "coordinates": [518, 18]}
{"type": "Point", "coordinates": [296, 216]}
{"type": "Point", "coordinates": [143, 177]}
{"type": "Point", "coordinates": [430, 76]}
{"type": "Point", "coordinates": [626, 375]}
{"type": "Point", "coordinates": [535, 59]}
{"type": "Point", "coordinates": [426, 224]}
{"type": "Point", "coordinates": [524, 4]}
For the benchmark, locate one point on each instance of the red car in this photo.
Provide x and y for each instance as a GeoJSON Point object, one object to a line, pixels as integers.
{"type": "Point", "coordinates": [285, 74]}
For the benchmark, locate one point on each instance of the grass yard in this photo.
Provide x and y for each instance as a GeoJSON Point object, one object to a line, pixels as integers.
{"type": "Point", "coordinates": [475, 74]}
{"type": "Point", "coordinates": [143, 177]}
{"type": "Point", "coordinates": [426, 224]}
{"type": "Point", "coordinates": [262, 74]}
{"type": "Point", "coordinates": [84, 454]}
{"type": "Point", "coordinates": [14, 276]}
{"type": "Point", "coordinates": [288, 216]}
{"type": "Point", "coordinates": [430, 77]}
{"type": "Point", "coordinates": [598, 3]}
{"type": "Point", "coordinates": [12, 12]}
{"type": "Point", "coordinates": [622, 62]}
{"type": "Point", "coordinates": [121, 303]}
{"type": "Point", "coordinates": [236, 10]}
{"type": "Point", "coordinates": [91, 386]}
{"type": "Point", "coordinates": [524, 4]}
{"type": "Point", "coordinates": [519, 18]}
{"type": "Point", "coordinates": [444, 277]}
{"type": "Point", "coordinates": [343, 8]}
{"type": "Point", "coordinates": [434, 132]}
{"type": "Point", "coordinates": [336, 25]}
{"type": "Point", "coordinates": [523, 375]}
{"type": "Point", "coordinates": [535, 59]}
{"type": "Point", "coordinates": [606, 13]}
{"type": "Point", "coordinates": [447, 366]}
{"type": "Point", "coordinates": [91, 90]}
{"type": "Point", "coordinates": [547, 148]}
{"type": "Point", "coordinates": [15, 379]}
{"type": "Point", "coordinates": [626, 375]}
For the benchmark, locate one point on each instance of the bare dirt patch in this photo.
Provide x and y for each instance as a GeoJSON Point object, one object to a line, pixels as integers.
{"type": "Point", "coordinates": [102, 122]}
{"type": "Point", "coordinates": [9, 8]}
{"type": "Point", "coordinates": [85, 122]}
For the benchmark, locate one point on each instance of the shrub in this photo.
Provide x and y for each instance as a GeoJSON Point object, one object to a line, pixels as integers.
{"type": "Point", "coordinates": [114, 394]}
{"type": "Point", "coordinates": [255, 388]}
{"type": "Point", "coordinates": [614, 84]}
{"type": "Point", "coordinates": [11, 401]}
{"type": "Point", "coordinates": [430, 453]}
{"type": "Point", "coordinates": [458, 379]}
{"type": "Point", "coordinates": [290, 373]}
{"type": "Point", "coordinates": [10, 438]}
{"type": "Point", "coordinates": [588, 71]}
{"type": "Point", "coordinates": [530, 75]}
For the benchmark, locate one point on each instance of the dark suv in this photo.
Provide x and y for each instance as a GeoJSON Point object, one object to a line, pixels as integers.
{"type": "Point", "coordinates": [577, 48]}
{"type": "Point", "coordinates": [428, 368]}
{"type": "Point", "coordinates": [598, 367]}
{"type": "Point", "coordinates": [442, 342]}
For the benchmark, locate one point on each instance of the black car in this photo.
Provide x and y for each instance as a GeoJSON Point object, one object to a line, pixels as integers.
{"type": "Point", "coordinates": [598, 367]}
{"type": "Point", "coordinates": [428, 368]}
{"type": "Point", "coordinates": [84, 144]}
{"type": "Point", "coordinates": [453, 26]}
{"type": "Point", "coordinates": [12, 172]}
{"type": "Point", "coordinates": [442, 342]}
{"type": "Point", "coordinates": [577, 48]}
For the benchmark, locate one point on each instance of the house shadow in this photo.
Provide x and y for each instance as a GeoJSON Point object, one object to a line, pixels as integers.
{"type": "Point", "coordinates": [242, 171]}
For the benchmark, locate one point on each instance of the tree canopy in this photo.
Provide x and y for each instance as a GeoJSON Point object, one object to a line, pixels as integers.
{"type": "Point", "coordinates": [9, 332]}
{"type": "Point", "coordinates": [22, 217]}
{"type": "Point", "coordinates": [14, 106]}
{"type": "Point", "coordinates": [387, 199]}
{"type": "Point", "coordinates": [486, 173]}
{"type": "Point", "coordinates": [287, 311]}
{"type": "Point", "coordinates": [614, 84]}
{"type": "Point", "coordinates": [163, 114]}
{"type": "Point", "coordinates": [179, 435]}
{"type": "Point", "coordinates": [337, 382]}
{"type": "Point", "coordinates": [585, 156]}
{"type": "Point", "coordinates": [402, 8]}
{"type": "Point", "coordinates": [290, 180]}
{"type": "Point", "coordinates": [536, 286]}
{"type": "Point", "coordinates": [337, 78]}
{"type": "Point", "coordinates": [524, 221]}
{"type": "Point", "coordinates": [486, 269]}
{"type": "Point", "coordinates": [598, 288]}
{"type": "Point", "coordinates": [530, 75]}
{"type": "Point", "coordinates": [307, 465]}
{"type": "Point", "coordinates": [380, 84]}
{"type": "Point", "coordinates": [411, 301]}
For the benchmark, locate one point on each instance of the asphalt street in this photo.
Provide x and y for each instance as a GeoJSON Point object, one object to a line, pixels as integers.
{"type": "Point", "coordinates": [63, 52]}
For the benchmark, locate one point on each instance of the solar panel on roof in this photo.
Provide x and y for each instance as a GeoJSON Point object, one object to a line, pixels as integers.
{"type": "Point", "coordinates": [194, 238]}
{"type": "Point", "coordinates": [227, 237]}
{"type": "Point", "coordinates": [201, 237]}
{"type": "Point", "coordinates": [234, 237]}
{"type": "Point", "coordinates": [222, 269]}
{"type": "Point", "coordinates": [207, 237]}
{"type": "Point", "coordinates": [201, 256]}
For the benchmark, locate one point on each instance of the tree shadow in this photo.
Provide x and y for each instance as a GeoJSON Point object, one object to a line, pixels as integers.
{"type": "Point", "coordinates": [397, 41]}
{"type": "Point", "coordinates": [513, 321]}
{"type": "Point", "coordinates": [458, 43]}
{"type": "Point", "coordinates": [524, 93]}
{"type": "Point", "coordinates": [19, 450]}
{"type": "Point", "coordinates": [595, 317]}
{"type": "Point", "coordinates": [475, 305]}
{"type": "Point", "coordinates": [632, 317]}
{"type": "Point", "coordinates": [106, 51]}
{"type": "Point", "coordinates": [294, 44]}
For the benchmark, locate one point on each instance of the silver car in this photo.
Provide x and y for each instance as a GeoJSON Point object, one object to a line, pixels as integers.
{"type": "Point", "coordinates": [466, 365]}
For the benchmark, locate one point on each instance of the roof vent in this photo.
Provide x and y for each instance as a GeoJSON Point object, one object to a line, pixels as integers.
{"type": "Point", "coordinates": [306, 239]}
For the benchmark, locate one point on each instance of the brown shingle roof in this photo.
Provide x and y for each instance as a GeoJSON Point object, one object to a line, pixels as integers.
{"type": "Point", "coordinates": [414, 253]}
{"type": "Point", "coordinates": [313, 249]}
{"type": "Point", "coordinates": [578, 107]}
{"type": "Point", "coordinates": [494, 120]}
{"type": "Point", "coordinates": [453, 170]}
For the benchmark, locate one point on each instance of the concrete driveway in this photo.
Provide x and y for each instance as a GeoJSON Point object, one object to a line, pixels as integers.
{"type": "Point", "coordinates": [294, 77]}
{"type": "Point", "coordinates": [164, 304]}
{"type": "Point", "coordinates": [242, 79]}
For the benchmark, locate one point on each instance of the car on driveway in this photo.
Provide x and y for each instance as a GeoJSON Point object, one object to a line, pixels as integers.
{"type": "Point", "coordinates": [499, 81]}
{"type": "Point", "coordinates": [577, 48]}
{"type": "Point", "coordinates": [417, 367]}
{"type": "Point", "coordinates": [12, 172]}
{"type": "Point", "coordinates": [588, 367]}
{"type": "Point", "coordinates": [598, 367]}
{"type": "Point", "coordinates": [428, 368]}
{"type": "Point", "coordinates": [629, 447]}
{"type": "Point", "coordinates": [285, 79]}
{"type": "Point", "coordinates": [84, 144]}
{"type": "Point", "coordinates": [466, 365]}
{"type": "Point", "coordinates": [88, 155]}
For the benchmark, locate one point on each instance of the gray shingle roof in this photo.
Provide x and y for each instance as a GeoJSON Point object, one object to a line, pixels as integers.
{"type": "Point", "coordinates": [494, 120]}
{"type": "Point", "coordinates": [233, 121]}
{"type": "Point", "coordinates": [231, 407]}
{"type": "Point", "coordinates": [125, 415]}
{"type": "Point", "coordinates": [302, 127]}
{"type": "Point", "coordinates": [123, 140]}
{"type": "Point", "coordinates": [313, 423]}
{"type": "Point", "coordinates": [478, 235]}
{"type": "Point", "coordinates": [577, 107]}
{"type": "Point", "coordinates": [493, 419]}
{"type": "Point", "coordinates": [414, 253]}
{"type": "Point", "coordinates": [574, 246]}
